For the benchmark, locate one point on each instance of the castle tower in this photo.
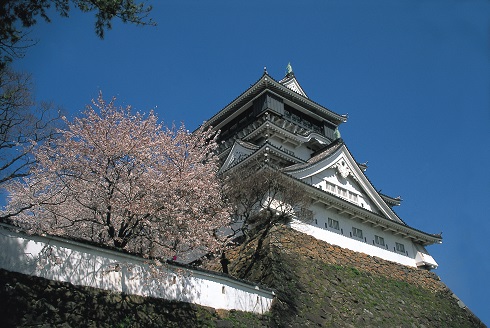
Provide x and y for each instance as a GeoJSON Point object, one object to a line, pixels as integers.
{"type": "Point", "coordinates": [275, 122]}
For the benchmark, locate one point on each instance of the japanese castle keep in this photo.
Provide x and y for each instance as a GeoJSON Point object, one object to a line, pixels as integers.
{"type": "Point", "coordinates": [276, 122]}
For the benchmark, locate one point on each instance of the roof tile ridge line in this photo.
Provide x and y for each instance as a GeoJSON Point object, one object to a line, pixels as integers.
{"type": "Point", "coordinates": [372, 185]}
{"type": "Point", "coordinates": [401, 225]}
{"type": "Point", "coordinates": [267, 143]}
{"type": "Point", "coordinates": [308, 136]}
{"type": "Point", "coordinates": [342, 117]}
{"type": "Point", "coordinates": [318, 157]}
{"type": "Point", "coordinates": [334, 143]}
{"type": "Point", "coordinates": [246, 144]}
{"type": "Point", "coordinates": [240, 95]}
{"type": "Point", "coordinates": [397, 198]}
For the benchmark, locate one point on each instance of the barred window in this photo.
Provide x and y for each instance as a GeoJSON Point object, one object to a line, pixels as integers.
{"type": "Point", "coordinates": [400, 248]}
{"type": "Point", "coordinates": [357, 232]}
{"type": "Point", "coordinates": [334, 224]}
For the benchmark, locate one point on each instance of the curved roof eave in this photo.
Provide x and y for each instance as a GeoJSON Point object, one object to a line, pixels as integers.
{"type": "Point", "coordinates": [266, 81]}
{"type": "Point", "coordinates": [281, 131]}
{"type": "Point", "coordinates": [370, 189]}
{"type": "Point", "coordinates": [366, 216]}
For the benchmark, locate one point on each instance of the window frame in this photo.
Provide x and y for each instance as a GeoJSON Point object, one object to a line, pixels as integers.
{"type": "Point", "coordinates": [334, 224]}
{"type": "Point", "coordinates": [356, 232]}
{"type": "Point", "coordinates": [400, 248]}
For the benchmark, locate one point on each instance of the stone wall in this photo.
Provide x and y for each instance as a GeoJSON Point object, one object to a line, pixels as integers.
{"type": "Point", "coordinates": [316, 284]}
{"type": "Point", "coordinates": [337, 255]}
{"type": "Point", "coordinates": [319, 284]}
{"type": "Point", "coordinates": [29, 301]}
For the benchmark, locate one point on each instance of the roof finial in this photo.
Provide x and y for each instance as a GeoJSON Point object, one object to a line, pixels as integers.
{"type": "Point", "coordinates": [265, 70]}
{"type": "Point", "coordinates": [289, 70]}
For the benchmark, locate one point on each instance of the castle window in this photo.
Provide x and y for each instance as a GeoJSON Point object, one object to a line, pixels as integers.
{"type": "Point", "coordinates": [343, 192]}
{"type": "Point", "coordinates": [379, 240]}
{"type": "Point", "coordinates": [329, 186]}
{"type": "Point", "coordinates": [357, 232]}
{"type": "Point", "coordinates": [334, 224]}
{"type": "Point", "coordinates": [400, 248]}
{"type": "Point", "coordinates": [352, 196]}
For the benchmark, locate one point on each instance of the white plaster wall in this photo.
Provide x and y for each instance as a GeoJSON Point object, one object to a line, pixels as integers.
{"type": "Point", "coordinates": [330, 175]}
{"type": "Point", "coordinates": [302, 152]}
{"type": "Point", "coordinates": [80, 264]}
{"type": "Point", "coordinates": [351, 243]}
{"type": "Point", "coordinates": [342, 238]}
{"type": "Point", "coordinates": [299, 152]}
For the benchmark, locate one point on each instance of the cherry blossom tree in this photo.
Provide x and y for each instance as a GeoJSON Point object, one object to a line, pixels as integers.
{"type": "Point", "coordinates": [125, 180]}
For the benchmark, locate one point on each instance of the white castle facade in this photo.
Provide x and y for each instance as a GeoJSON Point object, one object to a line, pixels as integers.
{"type": "Point", "coordinates": [275, 121]}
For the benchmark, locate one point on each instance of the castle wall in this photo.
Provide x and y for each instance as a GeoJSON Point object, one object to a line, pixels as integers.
{"type": "Point", "coordinates": [82, 264]}
{"type": "Point", "coordinates": [343, 236]}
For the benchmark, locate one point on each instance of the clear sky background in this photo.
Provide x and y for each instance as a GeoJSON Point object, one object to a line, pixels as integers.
{"type": "Point", "coordinates": [414, 77]}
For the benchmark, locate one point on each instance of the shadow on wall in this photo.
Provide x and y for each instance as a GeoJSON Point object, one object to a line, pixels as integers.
{"type": "Point", "coordinates": [69, 261]}
{"type": "Point", "coordinates": [82, 264]}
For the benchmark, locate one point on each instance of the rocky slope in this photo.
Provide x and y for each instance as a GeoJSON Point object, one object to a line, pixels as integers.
{"type": "Point", "coordinates": [322, 285]}
{"type": "Point", "coordinates": [317, 285]}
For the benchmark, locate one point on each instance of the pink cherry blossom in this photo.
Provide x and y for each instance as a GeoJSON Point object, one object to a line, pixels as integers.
{"type": "Point", "coordinates": [124, 179]}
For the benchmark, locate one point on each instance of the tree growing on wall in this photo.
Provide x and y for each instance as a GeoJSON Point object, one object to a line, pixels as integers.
{"type": "Point", "coordinates": [260, 198]}
{"type": "Point", "coordinates": [123, 179]}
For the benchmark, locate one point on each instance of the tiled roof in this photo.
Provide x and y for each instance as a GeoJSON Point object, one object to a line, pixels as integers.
{"type": "Point", "coordinates": [318, 156]}
{"type": "Point", "coordinates": [267, 81]}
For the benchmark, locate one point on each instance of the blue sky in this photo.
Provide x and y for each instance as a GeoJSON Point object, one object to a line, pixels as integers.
{"type": "Point", "coordinates": [414, 77]}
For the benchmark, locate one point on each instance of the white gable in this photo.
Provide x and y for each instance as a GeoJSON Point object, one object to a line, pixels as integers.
{"type": "Point", "coordinates": [340, 175]}
{"type": "Point", "coordinates": [237, 154]}
{"type": "Point", "coordinates": [293, 84]}
{"type": "Point", "coordinates": [347, 188]}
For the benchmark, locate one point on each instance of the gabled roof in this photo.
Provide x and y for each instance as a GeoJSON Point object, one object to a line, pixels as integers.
{"type": "Point", "coordinates": [290, 82]}
{"type": "Point", "coordinates": [239, 151]}
{"type": "Point", "coordinates": [245, 152]}
{"type": "Point", "coordinates": [266, 82]}
{"type": "Point", "coordinates": [330, 158]}
{"type": "Point", "coordinates": [364, 215]}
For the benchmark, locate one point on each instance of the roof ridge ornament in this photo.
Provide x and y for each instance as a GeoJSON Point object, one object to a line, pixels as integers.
{"type": "Point", "coordinates": [289, 70]}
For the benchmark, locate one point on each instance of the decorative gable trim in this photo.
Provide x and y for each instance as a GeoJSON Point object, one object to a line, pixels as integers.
{"type": "Point", "coordinates": [238, 153]}
{"type": "Point", "coordinates": [292, 84]}
{"type": "Point", "coordinates": [345, 165]}
{"type": "Point", "coordinates": [344, 170]}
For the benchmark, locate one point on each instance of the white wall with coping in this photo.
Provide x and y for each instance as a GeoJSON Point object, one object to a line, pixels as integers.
{"type": "Point", "coordinates": [65, 260]}
{"type": "Point", "coordinates": [359, 246]}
